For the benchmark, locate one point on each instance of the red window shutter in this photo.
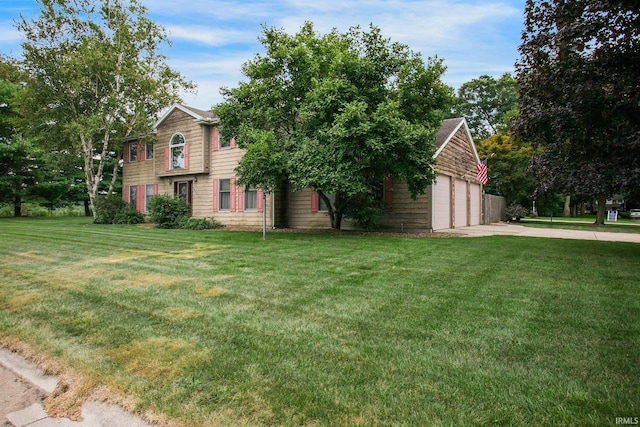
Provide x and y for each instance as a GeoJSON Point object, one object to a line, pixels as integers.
{"type": "Point", "coordinates": [140, 198]}
{"type": "Point", "coordinates": [125, 155]}
{"type": "Point", "coordinates": [216, 140]}
{"type": "Point", "coordinates": [260, 200]}
{"type": "Point", "coordinates": [388, 192]}
{"type": "Point", "coordinates": [186, 156]}
{"type": "Point", "coordinates": [232, 195]}
{"type": "Point", "coordinates": [155, 189]}
{"type": "Point", "coordinates": [240, 199]}
{"type": "Point", "coordinates": [232, 143]}
{"type": "Point", "coordinates": [167, 159]}
{"type": "Point", "coordinates": [314, 200]}
{"type": "Point", "coordinates": [126, 193]}
{"type": "Point", "coordinates": [215, 195]}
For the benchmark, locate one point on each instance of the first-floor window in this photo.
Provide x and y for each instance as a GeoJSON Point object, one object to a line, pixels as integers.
{"type": "Point", "coordinates": [148, 194]}
{"type": "Point", "coordinates": [133, 195]}
{"type": "Point", "coordinates": [224, 201]}
{"type": "Point", "coordinates": [322, 206]}
{"type": "Point", "coordinates": [250, 199]}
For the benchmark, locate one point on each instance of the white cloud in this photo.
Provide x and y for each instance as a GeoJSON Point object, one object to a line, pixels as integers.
{"type": "Point", "coordinates": [210, 36]}
{"type": "Point", "coordinates": [212, 39]}
{"type": "Point", "coordinates": [9, 33]}
{"type": "Point", "coordinates": [219, 10]}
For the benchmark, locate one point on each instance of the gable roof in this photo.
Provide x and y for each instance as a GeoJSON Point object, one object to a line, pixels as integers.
{"type": "Point", "coordinates": [448, 128]}
{"type": "Point", "coordinates": [200, 116]}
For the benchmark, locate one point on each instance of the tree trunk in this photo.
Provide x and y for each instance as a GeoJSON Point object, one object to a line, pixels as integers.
{"type": "Point", "coordinates": [114, 175]}
{"type": "Point", "coordinates": [602, 200]}
{"type": "Point", "coordinates": [566, 212]}
{"type": "Point", "coordinates": [337, 221]}
{"type": "Point", "coordinates": [17, 206]}
{"type": "Point", "coordinates": [87, 208]}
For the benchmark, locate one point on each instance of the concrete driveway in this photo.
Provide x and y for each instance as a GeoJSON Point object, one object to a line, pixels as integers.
{"type": "Point", "coordinates": [554, 233]}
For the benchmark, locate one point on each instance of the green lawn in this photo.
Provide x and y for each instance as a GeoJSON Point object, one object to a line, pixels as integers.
{"type": "Point", "coordinates": [221, 328]}
{"type": "Point", "coordinates": [583, 223]}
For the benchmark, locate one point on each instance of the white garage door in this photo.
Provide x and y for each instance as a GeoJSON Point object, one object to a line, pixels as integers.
{"type": "Point", "coordinates": [442, 203]}
{"type": "Point", "coordinates": [461, 203]}
{"type": "Point", "coordinates": [476, 196]}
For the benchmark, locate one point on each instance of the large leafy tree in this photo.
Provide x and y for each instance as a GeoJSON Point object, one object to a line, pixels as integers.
{"type": "Point", "coordinates": [508, 162]}
{"type": "Point", "coordinates": [19, 171]}
{"type": "Point", "coordinates": [579, 77]}
{"type": "Point", "coordinates": [488, 104]}
{"type": "Point", "coordinates": [337, 113]}
{"type": "Point", "coordinates": [96, 76]}
{"type": "Point", "coordinates": [18, 157]}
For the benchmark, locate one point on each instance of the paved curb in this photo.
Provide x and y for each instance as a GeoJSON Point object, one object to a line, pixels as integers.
{"type": "Point", "coordinates": [94, 414]}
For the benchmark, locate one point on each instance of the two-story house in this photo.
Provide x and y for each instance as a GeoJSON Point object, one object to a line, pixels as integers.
{"type": "Point", "coordinates": [188, 159]}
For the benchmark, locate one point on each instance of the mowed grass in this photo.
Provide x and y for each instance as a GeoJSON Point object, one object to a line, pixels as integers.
{"type": "Point", "coordinates": [221, 328]}
{"type": "Point", "coordinates": [584, 224]}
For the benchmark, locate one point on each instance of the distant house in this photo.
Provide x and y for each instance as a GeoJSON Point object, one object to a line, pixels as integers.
{"type": "Point", "coordinates": [189, 160]}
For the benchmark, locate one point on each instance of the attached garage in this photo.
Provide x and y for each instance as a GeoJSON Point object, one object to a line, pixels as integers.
{"type": "Point", "coordinates": [457, 193]}
{"type": "Point", "coordinates": [454, 200]}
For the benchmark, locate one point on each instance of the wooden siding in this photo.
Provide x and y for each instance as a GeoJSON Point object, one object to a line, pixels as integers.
{"type": "Point", "coordinates": [139, 172]}
{"type": "Point", "coordinates": [458, 159]}
{"type": "Point", "coordinates": [405, 214]}
{"type": "Point", "coordinates": [300, 214]}
{"type": "Point", "coordinates": [198, 138]}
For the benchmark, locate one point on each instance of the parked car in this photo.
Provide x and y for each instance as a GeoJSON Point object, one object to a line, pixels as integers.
{"type": "Point", "coordinates": [634, 213]}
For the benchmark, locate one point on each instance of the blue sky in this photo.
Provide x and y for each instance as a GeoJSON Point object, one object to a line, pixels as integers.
{"type": "Point", "coordinates": [213, 38]}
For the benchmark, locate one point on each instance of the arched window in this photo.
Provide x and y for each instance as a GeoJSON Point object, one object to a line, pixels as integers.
{"type": "Point", "coordinates": [177, 148]}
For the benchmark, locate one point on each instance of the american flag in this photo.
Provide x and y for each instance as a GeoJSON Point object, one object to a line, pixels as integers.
{"type": "Point", "coordinates": [482, 173]}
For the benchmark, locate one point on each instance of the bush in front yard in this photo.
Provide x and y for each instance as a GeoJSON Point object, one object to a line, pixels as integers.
{"type": "Point", "coordinates": [199, 223]}
{"type": "Point", "coordinates": [167, 211]}
{"type": "Point", "coordinates": [112, 209]}
{"type": "Point", "coordinates": [516, 211]}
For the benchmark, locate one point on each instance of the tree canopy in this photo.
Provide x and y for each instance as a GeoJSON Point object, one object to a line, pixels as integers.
{"type": "Point", "coordinates": [579, 78]}
{"type": "Point", "coordinates": [488, 104]}
{"type": "Point", "coordinates": [508, 162]}
{"type": "Point", "coordinates": [96, 76]}
{"type": "Point", "coordinates": [336, 113]}
{"type": "Point", "coordinates": [18, 160]}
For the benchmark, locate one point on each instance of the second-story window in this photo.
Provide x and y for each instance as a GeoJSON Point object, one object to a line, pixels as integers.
{"type": "Point", "coordinates": [176, 147]}
{"type": "Point", "coordinates": [133, 151]}
{"type": "Point", "coordinates": [148, 151]}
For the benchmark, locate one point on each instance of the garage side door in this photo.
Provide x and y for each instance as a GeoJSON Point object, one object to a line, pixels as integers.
{"type": "Point", "coordinates": [476, 197]}
{"type": "Point", "coordinates": [461, 203]}
{"type": "Point", "coordinates": [442, 203]}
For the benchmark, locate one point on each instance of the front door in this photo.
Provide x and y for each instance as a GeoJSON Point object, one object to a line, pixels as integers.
{"type": "Point", "coordinates": [183, 190]}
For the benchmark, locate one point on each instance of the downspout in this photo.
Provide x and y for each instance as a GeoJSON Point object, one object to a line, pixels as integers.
{"type": "Point", "coordinates": [273, 210]}
{"type": "Point", "coordinates": [433, 205]}
{"type": "Point", "coordinates": [433, 197]}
